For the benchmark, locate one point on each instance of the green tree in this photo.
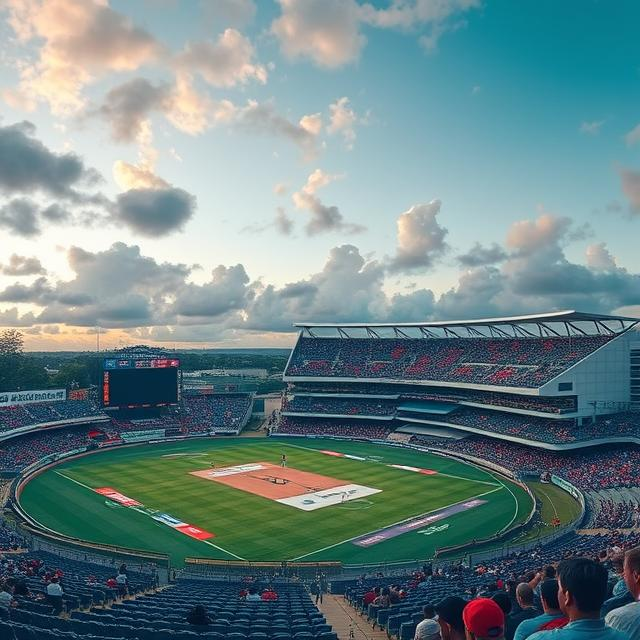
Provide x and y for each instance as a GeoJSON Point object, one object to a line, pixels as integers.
{"type": "Point", "coordinates": [11, 343]}
{"type": "Point", "coordinates": [72, 375]}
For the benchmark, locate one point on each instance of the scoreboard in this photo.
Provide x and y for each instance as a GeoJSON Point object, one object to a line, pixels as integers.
{"type": "Point", "coordinates": [140, 382]}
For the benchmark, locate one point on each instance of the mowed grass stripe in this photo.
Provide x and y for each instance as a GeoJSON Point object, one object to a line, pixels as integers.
{"type": "Point", "coordinates": [246, 525]}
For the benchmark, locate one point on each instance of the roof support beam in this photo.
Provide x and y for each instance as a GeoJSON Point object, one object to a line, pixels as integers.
{"type": "Point", "coordinates": [549, 330]}
{"type": "Point", "coordinates": [576, 329]}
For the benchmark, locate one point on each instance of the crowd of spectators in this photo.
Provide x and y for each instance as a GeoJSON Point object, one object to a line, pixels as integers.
{"type": "Point", "coordinates": [22, 451]}
{"type": "Point", "coordinates": [25, 415]}
{"type": "Point", "coordinates": [216, 412]}
{"type": "Point", "coordinates": [523, 362]}
{"type": "Point", "coordinates": [338, 406]}
{"type": "Point", "coordinates": [529, 592]}
{"type": "Point", "coordinates": [550, 404]}
{"type": "Point", "coordinates": [616, 515]}
{"type": "Point", "coordinates": [351, 429]}
{"type": "Point", "coordinates": [525, 427]}
{"type": "Point", "coordinates": [588, 469]}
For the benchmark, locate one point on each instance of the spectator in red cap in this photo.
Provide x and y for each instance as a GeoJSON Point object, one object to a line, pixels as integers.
{"type": "Point", "coordinates": [483, 620]}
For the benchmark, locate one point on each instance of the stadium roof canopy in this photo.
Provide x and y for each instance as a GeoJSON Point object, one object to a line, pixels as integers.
{"type": "Point", "coordinates": [558, 323]}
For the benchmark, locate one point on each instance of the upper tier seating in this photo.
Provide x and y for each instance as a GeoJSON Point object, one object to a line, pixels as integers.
{"type": "Point", "coordinates": [26, 415]}
{"type": "Point", "coordinates": [517, 362]}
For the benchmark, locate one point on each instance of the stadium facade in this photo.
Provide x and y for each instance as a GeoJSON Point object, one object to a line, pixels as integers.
{"type": "Point", "coordinates": [556, 380]}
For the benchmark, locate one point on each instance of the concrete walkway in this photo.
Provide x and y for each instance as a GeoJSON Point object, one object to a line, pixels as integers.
{"type": "Point", "coordinates": [344, 619]}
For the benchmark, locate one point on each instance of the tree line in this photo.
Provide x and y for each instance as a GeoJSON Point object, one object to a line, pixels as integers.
{"type": "Point", "coordinates": [21, 371]}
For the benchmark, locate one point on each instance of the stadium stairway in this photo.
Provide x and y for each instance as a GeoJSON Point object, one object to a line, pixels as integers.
{"type": "Point", "coordinates": [344, 620]}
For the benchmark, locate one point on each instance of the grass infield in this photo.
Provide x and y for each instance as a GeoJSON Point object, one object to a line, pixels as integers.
{"type": "Point", "coordinates": [252, 527]}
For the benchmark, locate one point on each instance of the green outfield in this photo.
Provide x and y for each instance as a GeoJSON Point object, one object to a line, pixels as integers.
{"type": "Point", "coordinates": [251, 527]}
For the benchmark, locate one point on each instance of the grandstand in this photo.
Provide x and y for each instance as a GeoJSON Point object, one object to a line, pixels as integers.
{"type": "Point", "coordinates": [558, 380]}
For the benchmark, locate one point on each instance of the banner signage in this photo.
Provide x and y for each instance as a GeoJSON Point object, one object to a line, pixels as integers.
{"type": "Point", "coordinates": [140, 436]}
{"type": "Point", "coordinates": [11, 398]}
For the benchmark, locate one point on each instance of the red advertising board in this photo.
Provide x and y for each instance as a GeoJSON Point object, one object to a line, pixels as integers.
{"type": "Point", "coordinates": [195, 532]}
{"type": "Point", "coordinates": [112, 494]}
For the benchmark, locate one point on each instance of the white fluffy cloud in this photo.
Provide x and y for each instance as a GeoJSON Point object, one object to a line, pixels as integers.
{"type": "Point", "coordinates": [420, 238]}
{"type": "Point", "coordinates": [81, 40]}
{"type": "Point", "coordinates": [600, 258]}
{"type": "Point", "coordinates": [329, 32]}
{"type": "Point", "coordinates": [343, 121]}
{"type": "Point", "coordinates": [224, 63]}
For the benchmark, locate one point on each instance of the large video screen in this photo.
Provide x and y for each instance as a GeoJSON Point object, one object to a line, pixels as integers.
{"type": "Point", "coordinates": [140, 387]}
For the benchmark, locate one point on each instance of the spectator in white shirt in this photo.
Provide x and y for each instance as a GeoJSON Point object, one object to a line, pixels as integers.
{"type": "Point", "coordinates": [627, 618]}
{"type": "Point", "coordinates": [54, 595]}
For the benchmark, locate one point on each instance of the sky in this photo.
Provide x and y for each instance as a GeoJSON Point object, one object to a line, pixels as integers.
{"type": "Point", "coordinates": [206, 173]}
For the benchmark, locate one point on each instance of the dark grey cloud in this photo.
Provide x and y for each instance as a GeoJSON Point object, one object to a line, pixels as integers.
{"type": "Point", "coordinates": [226, 291]}
{"type": "Point", "coordinates": [38, 292]}
{"type": "Point", "coordinates": [22, 266]}
{"type": "Point", "coordinates": [20, 216]}
{"type": "Point", "coordinates": [479, 256]}
{"type": "Point", "coordinates": [56, 213]}
{"type": "Point", "coordinates": [327, 218]}
{"type": "Point", "coordinates": [126, 106]}
{"type": "Point", "coordinates": [154, 212]}
{"type": "Point", "coordinates": [26, 165]}
{"type": "Point", "coordinates": [118, 287]}
{"type": "Point", "coordinates": [282, 222]}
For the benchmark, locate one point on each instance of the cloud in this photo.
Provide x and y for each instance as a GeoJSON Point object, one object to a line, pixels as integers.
{"type": "Point", "coordinates": [282, 222]}
{"type": "Point", "coordinates": [224, 63]}
{"type": "Point", "coordinates": [479, 256]}
{"type": "Point", "coordinates": [155, 212]}
{"type": "Point", "coordinates": [633, 136]}
{"type": "Point", "coordinates": [343, 121]}
{"type": "Point", "coordinates": [420, 238]}
{"type": "Point", "coordinates": [118, 287]}
{"type": "Point", "coordinates": [81, 40]}
{"type": "Point", "coordinates": [227, 291]}
{"type": "Point", "coordinates": [142, 174]}
{"type": "Point", "coordinates": [55, 213]}
{"type": "Point", "coordinates": [137, 176]}
{"type": "Point", "coordinates": [127, 109]}
{"type": "Point", "coordinates": [630, 181]}
{"type": "Point", "coordinates": [280, 189]}
{"type": "Point", "coordinates": [312, 123]}
{"type": "Point", "coordinates": [122, 288]}
{"type": "Point", "coordinates": [262, 118]}
{"type": "Point", "coordinates": [20, 216]}
{"type": "Point", "coordinates": [22, 266]}
{"type": "Point", "coordinates": [326, 31]}
{"type": "Point", "coordinates": [329, 32]}
{"type": "Point", "coordinates": [600, 258]}
{"type": "Point", "coordinates": [528, 236]}
{"type": "Point", "coordinates": [127, 106]}
{"type": "Point", "coordinates": [323, 218]}
{"type": "Point", "coordinates": [591, 128]}
{"type": "Point", "coordinates": [26, 165]}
